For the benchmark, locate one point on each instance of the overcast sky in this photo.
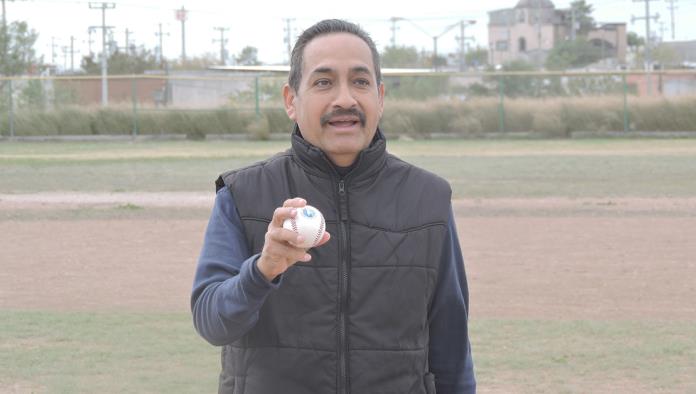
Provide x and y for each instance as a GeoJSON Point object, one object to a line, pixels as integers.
{"type": "Point", "coordinates": [260, 23]}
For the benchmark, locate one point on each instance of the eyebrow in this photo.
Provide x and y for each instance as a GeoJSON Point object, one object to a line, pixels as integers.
{"type": "Point", "coordinates": [329, 70]}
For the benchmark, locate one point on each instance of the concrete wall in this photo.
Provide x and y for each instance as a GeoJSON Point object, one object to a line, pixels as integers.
{"type": "Point", "coordinates": [211, 90]}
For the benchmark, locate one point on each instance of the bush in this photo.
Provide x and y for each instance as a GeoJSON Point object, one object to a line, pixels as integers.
{"type": "Point", "coordinates": [417, 119]}
{"type": "Point", "coordinates": [278, 120]}
{"type": "Point", "coordinates": [258, 129]}
{"type": "Point", "coordinates": [548, 125]}
{"type": "Point", "coordinates": [466, 125]}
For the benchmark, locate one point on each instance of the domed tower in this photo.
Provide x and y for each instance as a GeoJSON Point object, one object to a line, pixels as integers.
{"type": "Point", "coordinates": [526, 32]}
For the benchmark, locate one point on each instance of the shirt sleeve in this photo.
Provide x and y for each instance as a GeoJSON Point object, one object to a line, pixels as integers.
{"type": "Point", "coordinates": [450, 350]}
{"type": "Point", "coordinates": [228, 289]}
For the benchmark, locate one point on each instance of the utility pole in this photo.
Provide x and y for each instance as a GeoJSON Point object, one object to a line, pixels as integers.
{"type": "Point", "coordinates": [64, 49]}
{"type": "Point", "coordinates": [222, 41]}
{"type": "Point", "coordinates": [4, 44]}
{"type": "Point", "coordinates": [672, 7]}
{"type": "Point", "coordinates": [90, 30]}
{"type": "Point", "coordinates": [538, 23]}
{"type": "Point", "coordinates": [126, 48]}
{"type": "Point", "coordinates": [394, 28]}
{"type": "Point", "coordinates": [572, 23]}
{"type": "Point", "coordinates": [72, 53]}
{"type": "Point", "coordinates": [160, 51]}
{"type": "Point", "coordinates": [288, 36]}
{"type": "Point", "coordinates": [462, 43]}
{"type": "Point", "coordinates": [647, 17]}
{"type": "Point", "coordinates": [105, 86]}
{"type": "Point", "coordinates": [662, 30]}
{"type": "Point", "coordinates": [181, 15]}
{"type": "Point", "coordinates": [53, 50]}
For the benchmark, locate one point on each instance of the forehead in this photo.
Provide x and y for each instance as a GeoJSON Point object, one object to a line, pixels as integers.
{"type": "Point", "coordinates": [337, 51]}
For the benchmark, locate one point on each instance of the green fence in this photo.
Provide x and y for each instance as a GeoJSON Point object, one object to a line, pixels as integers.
{"type": "Point", "coordinates": [417, 104]}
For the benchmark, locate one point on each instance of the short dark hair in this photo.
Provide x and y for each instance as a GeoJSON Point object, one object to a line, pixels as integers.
{"type": "Point", "coordinates": [327, 26]}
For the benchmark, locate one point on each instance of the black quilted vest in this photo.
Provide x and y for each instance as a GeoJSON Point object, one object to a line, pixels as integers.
{"type": "Point", "coordinates": [355, 318]}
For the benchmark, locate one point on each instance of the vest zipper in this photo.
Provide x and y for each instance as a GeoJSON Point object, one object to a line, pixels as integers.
{"type": "Point", "coordinates": [343, 289]}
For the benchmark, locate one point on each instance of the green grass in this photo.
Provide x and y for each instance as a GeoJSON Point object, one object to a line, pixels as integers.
{"type": "Point", "coordinates": [154, 352]}
{"type": "Point", "coordinates": [586, 168]}
{"type": "Point", "coordinates": [585, 356]}
{"type": "Point", "coordinates": [97, 352]}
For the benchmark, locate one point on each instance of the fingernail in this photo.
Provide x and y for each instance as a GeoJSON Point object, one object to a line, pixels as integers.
{"type": "Point", "coordinates": [293, 212]}
{"type": "Point", "coordinates": [300, 239]}
{"type": "Point", "coordinates": [307, 257]}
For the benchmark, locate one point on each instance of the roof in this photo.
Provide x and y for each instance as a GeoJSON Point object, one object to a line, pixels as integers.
{"type": "Point", "coordinates": [535, 4]}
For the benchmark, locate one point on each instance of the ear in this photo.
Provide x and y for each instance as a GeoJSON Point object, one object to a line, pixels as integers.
{"type": "Point", "coordinates": [289, 101]}
{"type": "Point", "coordinates": [380, 93]}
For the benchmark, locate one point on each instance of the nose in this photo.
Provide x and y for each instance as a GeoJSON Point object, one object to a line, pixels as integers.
{"type": "Point", "coordinates": [344, 97]}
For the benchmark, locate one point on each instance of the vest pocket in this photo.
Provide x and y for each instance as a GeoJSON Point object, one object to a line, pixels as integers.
{"type": "Point", "coordinates": [429, 381]}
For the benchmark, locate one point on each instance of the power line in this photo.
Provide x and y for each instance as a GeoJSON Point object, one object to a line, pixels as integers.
{"type": "Point", "coordinates": [222, 41]}
{"type": "Point", "coordinates": [287, 39]}
{"type": "Point", "coordinates": [105, 86]}
{"type": "Point", "coordinates": [160, 51]}
{"type": "Point", "coordinates": [647, 17]}
{"type": "Point", "coordinates": [672, 7]}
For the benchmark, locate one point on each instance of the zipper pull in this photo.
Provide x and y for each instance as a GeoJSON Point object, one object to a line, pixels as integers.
{"type": "Point", "coordinates": [341, 187]}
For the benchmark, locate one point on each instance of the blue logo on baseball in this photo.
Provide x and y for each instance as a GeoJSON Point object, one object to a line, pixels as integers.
{"type": "Point", "coordinates": [308, 212]}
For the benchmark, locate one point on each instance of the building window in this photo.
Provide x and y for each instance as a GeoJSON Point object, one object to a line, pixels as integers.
{"type": "Point", "coordinates": [501, 46]}
{"type": "Point", "coordinates": [522, 44]}
{"type": "Point", "coordinates": [520, 16]}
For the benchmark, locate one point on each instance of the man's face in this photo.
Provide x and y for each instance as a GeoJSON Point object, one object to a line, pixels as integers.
{"type": "Point", "coordinates": [338, 104]}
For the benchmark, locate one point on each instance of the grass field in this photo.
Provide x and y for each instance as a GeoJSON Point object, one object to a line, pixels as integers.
{"type": "Point", "coordinates": [586, 168]}
{"type": "Point", "coordinates": [596, 297]}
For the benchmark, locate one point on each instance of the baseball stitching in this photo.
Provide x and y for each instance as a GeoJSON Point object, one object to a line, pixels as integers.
{"type": "Point", "coordinates": [319, 233]}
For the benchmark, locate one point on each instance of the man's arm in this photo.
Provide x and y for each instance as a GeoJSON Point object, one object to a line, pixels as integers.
{"type": "Point", "coordinates": [228, 289]}
{"type": "Point", "coordinates": [450, 351]}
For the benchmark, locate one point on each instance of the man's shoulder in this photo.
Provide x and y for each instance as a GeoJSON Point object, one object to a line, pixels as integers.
{"type": "Point", "coordinates": [252, 170]}
{"type": "Point", "coordinates": [428, 178]}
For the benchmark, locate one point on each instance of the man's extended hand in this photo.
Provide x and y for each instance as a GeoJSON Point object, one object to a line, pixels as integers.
{"type": "Point", "coordinates": [278, 253]}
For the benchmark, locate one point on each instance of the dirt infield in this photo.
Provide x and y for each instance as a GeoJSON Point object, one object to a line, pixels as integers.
{"type": "Point", "coordinates": [531, 258]}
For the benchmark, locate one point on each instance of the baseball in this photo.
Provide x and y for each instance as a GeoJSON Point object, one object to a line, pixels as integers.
{"type": "Point", "coordinates": [309, 223]}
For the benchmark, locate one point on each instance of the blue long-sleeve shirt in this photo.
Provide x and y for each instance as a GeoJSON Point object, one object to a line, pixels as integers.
{"type": "Point", "coordinates": [229, 290]}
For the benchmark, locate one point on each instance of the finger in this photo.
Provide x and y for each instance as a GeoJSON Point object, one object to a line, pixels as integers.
{"type": "Point", "coordinates": [288, 253]}
{"type": "Point", "coordinates": [324, 239]}
{"type": "Point", "coordinates": [283, 235]}
{"type": "Point", "coordinates": [280, 214]}
{"type": "Point", "coordinates": [297, 202]}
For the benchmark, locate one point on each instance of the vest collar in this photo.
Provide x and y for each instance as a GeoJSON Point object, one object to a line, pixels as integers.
{"type": "Point", "coordinates": [313, 159]}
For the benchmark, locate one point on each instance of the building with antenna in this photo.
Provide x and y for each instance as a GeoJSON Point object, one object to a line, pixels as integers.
{"type": "Point", "coordinates": [531, 29]}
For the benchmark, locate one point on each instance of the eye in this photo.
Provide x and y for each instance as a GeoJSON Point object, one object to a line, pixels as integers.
{"type": "Point", "coordinates": [322, 83]}
{"type": "Point", "coordinates": [362, 82]}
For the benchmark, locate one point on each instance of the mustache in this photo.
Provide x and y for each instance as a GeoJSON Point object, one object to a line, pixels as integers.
{"type": "Point", "coordinates": [324, 120]}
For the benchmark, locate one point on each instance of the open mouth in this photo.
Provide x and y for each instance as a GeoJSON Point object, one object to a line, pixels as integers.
{"type": "Point", "coordinates": [343, 123]}
{"type": "Point", "coordinates": [343, 118]}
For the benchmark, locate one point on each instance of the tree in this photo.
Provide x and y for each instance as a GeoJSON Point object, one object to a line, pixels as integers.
{"type": "Point", "coordinates": [248, 56]}
{"type": "Point", "coordinates": [583, 16]}
{"type": "Point", "coordinates": [19, 40]}
{"type": "Point", "coordinates": [661, 54]}
{"type": "Point", "coordinates": [401, 57]}
{"type": "Point", "coordinates": [135, 62]}
{"type": "Point", "coordinates": [477, 57]}
{"type": "Point", "coordinates": [634, 41]}
{"type": "Point", "coordinates": [572, 54]}
{"type": "Point", "coordinates": [197, 63]}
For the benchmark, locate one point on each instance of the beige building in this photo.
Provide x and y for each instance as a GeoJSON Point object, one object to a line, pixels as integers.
{"type": "Point", "coordinates": [530, 30]}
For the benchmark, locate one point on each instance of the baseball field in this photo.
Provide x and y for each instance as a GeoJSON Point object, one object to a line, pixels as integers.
{"type": "Point", "coordinates": [580, 256]}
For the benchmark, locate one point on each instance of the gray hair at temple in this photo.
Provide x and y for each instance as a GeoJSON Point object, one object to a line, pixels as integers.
{"type": "Point", "coordinates": [324, 27]}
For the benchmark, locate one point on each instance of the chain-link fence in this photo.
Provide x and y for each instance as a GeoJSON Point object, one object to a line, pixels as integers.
{"type": "Point", "coordinates": [196, 104]}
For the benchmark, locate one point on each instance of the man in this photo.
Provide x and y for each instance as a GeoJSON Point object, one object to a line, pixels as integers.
{"type": "Point", "coordinates": [381, 305]}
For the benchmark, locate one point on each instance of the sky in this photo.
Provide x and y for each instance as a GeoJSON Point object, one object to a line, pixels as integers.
{"type": "Point", "coordinates": [261, 23]}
